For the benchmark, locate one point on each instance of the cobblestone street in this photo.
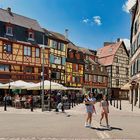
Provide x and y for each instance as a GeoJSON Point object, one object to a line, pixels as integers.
{"type": "Point", "coordinates": [24, 125]}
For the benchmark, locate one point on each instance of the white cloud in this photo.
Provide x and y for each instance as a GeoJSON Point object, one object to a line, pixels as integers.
{"type": "Point", "coordinates": [128, 5]}
{"type": "Point", "coordinates": [127, 43]}
{"type": "Point", "coordinates": [97, 20]}
{"type": "Point", "coordinates": [86, 20]}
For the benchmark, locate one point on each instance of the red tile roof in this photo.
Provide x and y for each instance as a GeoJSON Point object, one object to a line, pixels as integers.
{"type": "Point", "coordinates": [107, 53]}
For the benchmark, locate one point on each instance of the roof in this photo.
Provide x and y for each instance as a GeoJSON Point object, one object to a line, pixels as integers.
{"type": "Point", "coordinates": [106, 61]}
{"type": "Point", "coordinates": [86, 51]}
{"type": "Point", "coordinates": [13, 18]}
{"type": "Point", "coordinates": [72, 46]}
{"type": "Point", "coordinates": [108, 50]}
{"type": "Point", "coordinates": [56, 35]}
{"type": "Point", "coordinates": [107, 53]}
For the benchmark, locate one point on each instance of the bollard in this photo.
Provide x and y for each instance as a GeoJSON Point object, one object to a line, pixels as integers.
{"type": "Point", "coordinates": [114, 102]}
{"type": "Point", "coordinates": [120, 105]}
{"type": "Point", "coordinates": [69, 104]}
{"type": "Point", "coordinates": [117, 104]}
{"type": "Point", "coordinates": [5, 104]}
{"type": "Point", "coordinates": [32, 104]}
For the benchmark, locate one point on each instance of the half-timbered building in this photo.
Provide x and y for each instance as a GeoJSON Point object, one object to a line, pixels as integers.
{"type": "Point", "coordinates": [20, 52]}
{"type": "Point", "coordinates": [58, 47]}
{"type": "Point", "coordinates": [115, 57]}
{"type": "Point", "coordinates": [74, 66]}
{"type": "Point", "coordinates": [95, 74]}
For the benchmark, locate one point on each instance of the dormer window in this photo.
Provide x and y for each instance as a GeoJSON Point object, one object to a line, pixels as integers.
{"type": "Point", "coordinates": [9, 30]}
{"type": "Point", "coordinates": [30, 35]}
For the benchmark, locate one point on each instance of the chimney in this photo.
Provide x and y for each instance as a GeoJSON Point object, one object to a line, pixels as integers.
{"type": "Point", "coordinates": [118, 39]}
{"type": "Point", "coordinates": [9, 10]}
{"type": "Point", "coordinates": [66, 33]}
{"type": "Point", "coordinates": [108, 43]}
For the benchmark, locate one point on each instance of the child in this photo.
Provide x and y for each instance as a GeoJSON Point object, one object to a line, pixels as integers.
{"type": "Point", "coordinates": [104, 110]}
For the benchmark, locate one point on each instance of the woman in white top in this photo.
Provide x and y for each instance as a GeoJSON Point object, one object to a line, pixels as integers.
{"type": "Point", "coordinates": [90, 109]}
{"type": "Point", "coordinates": [104, 110]}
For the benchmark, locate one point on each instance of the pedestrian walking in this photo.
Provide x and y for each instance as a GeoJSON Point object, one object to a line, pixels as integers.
{"type": "Point", "coordinates": [104, 110]}
{"type": "Point", "coordinates": [89, 101]}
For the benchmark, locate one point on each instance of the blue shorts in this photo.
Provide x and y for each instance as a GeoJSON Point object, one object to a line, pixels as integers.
{"type": "Point", "coordinates": [89, 109]}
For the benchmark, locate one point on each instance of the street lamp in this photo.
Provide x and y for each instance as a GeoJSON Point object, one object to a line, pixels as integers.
{"type": "Point", "coordinates": [42, 73]}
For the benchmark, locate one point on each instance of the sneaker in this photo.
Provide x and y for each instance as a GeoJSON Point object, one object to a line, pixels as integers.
{"type": "Point", "coordinates": [86, 125]}
{"type": "Point", "coordinates": [100, 124]}
{"type": "Point", "coordinates": [108, 126]}
{"type": "Point", "coordinates": [89, 125]}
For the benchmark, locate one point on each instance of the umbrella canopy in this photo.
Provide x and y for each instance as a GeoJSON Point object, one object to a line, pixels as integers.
{"type": "Point", "coordinates": [1, 86]}
{"type": "Point", "coordinates": [16, 85]}
{"type": "Point", "coordinates": [72, 88]}
{"type": "Point", "coordinates": [54, 86]}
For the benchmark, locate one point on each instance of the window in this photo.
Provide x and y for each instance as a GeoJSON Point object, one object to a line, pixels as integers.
{"type": "Point", "coordinates": [9, 30]}
{"type": "Point", "coordinates": [7, 48]}
{"type": "Point", "coordinates": [31, 35]}
{"type": "Point", "coordinates": [29, 69]}
{"type": "Point", "coordinates": [117, 82]}
{"type": "Point", "coordinates": [86, 77]}
{"type": "Point", "coordinates": [86, 67]}
{"type": "Point", "coordinates": [90, 78]}
{"type": "Point", "coordinates": [59, 46]}
{"type": "Point", "coordinates": [71, 54]}
{"type": "Point", "coordinates": [101, 69]}
{"type": "Point", "coordinates": [37, 52]}
{"type": "Point", "coordinates": [27, 51]}
{"type": "Point", "coordinates": [127, 72]}
{"type": "Point", "coordinates": [57, 60]}
{"type": "Point", "coordinates": [77, 56]}
{"type": "Point", "coordinates": [4, 67]}
{"type": "Point", "coordinates": [117, 69]}
{"type": "Point", "coordinates": [116, 59]}
{"type": "Point", "coordinates": [100, 79]}
{"type": "Point", "coordinates": [138, 64]}
{"type": "Point", "coordinates": [78, 79]}
{"type": "Point", "coordinates": [54, 44]}
{"type": "Point", "coordinates": [127, 62]}
{"type": "Point", "coordinates": [55, 75]}
{"type": "Point", "coordinates": [73, 79]}
{"type": "Point", "coordinates": [75, 67]}
{"type": "Point", "coordinates": [62, 46]}
{"type": "Point", "coordinates": [95, 78]}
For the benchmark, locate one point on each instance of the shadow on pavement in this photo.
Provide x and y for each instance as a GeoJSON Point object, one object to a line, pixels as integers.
{"type": "Point", "coordinates": [107, 129]}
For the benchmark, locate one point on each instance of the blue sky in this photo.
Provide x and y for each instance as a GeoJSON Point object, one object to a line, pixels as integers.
{"type": "Point", "coordinates": [90, 22]}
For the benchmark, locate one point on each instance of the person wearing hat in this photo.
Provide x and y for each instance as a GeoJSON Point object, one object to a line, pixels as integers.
{"type": "Point", "coordinates": [89, 102]}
